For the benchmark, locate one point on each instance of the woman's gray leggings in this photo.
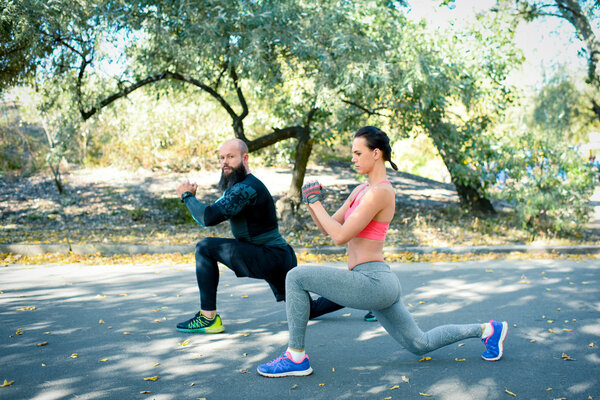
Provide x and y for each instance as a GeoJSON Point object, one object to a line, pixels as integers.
{"type": "Point", "coordinates": [369, 286]}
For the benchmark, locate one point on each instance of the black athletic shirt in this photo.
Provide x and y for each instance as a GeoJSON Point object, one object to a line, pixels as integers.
{"type": "Point", "coordinates": [250, 209]}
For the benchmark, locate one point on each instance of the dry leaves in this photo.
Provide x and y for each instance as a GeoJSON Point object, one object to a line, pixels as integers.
{"type": "Point", "coordinates": [152, 378]}
{"type": "Point", "coordinates": [7, 383]}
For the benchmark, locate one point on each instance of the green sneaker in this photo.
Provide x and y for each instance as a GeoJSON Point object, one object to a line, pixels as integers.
{"type": "Point", "coordinates": [370, 317]}
{"type": "Point", "coordinates": [202, 324]}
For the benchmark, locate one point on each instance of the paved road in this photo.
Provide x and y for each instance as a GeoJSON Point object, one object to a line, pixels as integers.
{"type": "Point", "coordinates": [553, 308]}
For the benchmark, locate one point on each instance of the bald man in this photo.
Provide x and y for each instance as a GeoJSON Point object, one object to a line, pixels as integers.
{"type": "Point", "coordinates": [258, 250]}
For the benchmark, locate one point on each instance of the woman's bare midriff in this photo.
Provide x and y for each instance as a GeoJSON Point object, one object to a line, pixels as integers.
{"type": "Point", "coordinates": [362, 250]}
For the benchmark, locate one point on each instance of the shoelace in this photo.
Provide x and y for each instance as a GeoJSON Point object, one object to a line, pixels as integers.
{"type": "Point", "coordinates": [276, 360]}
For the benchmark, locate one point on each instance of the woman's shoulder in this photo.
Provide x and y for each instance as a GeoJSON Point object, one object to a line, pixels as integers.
{"type": "Point", "coordinates": [358, 188]}
{"type": "Point", "coordinates": [382, 191]}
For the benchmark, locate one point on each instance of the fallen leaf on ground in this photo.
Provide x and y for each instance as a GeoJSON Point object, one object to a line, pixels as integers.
{"type": "Point", "coordinates": [425, 359]}
{"type": "Point", "coordinates": [394, 387]}
{"type": "Point", "coordinates": [101, 321]}
{"type": "Point", "coordinates": [42, 344]}
{"type": "Point", "coordinates": [244, 297]}
{"type": "Point", "coordinates": [19, 331]}
{"type": "Point", "coordinates": [156, 365]}
{"type": "Point", "coordinates": [152, 378]}
{"type": "Point", "coordinates": [346, 315]}
{"type": "Point", "coordinates": [74, 355]}
{"type": "Point", "coordinates": [104, 360]}
{"type": "Point", "coordinates": [29, 308]}
{"type": "Point", "coordinates": [564, 356]}
{"type": "Point", "coordinates": [509, 392]}
{"type": "Point", "coordinates": [549, 389]}
{"type": "Point", "coordinates": [591, 344]}
{"type": "Point", "coordinates": [145, 392]}
{"type": "Point", "coordinates": [126, 333]}
{"type": "Point", "coordinates": [425, 394]}
{"type": "Point", "coordinates": [7, 383]}
{"type": "Point", "coordinates": [460, 359]}
{"type": "Point", "coordinates": [404, 379]}
{"type": "Point", "coordinates": [321, 384]}
{"type": "Point", "coordinates": [294, 387]}
{"type": "Point", "coordinates": [185, 342]}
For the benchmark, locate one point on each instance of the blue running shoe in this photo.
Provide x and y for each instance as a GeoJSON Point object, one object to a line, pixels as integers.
{"type": "Point", "coordinates": [285, 366]}
{"type": "Point", "coordinates": [495, 342]}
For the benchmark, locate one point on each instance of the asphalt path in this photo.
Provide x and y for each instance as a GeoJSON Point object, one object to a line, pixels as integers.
{"type": "Point", "coordinates": [105, 328]}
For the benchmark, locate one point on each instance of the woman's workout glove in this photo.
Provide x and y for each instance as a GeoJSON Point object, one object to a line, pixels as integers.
{"type": "Point", "coordinates": [312, 192]}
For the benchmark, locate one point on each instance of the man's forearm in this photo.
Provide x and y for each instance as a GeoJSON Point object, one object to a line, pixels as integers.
{"type": "Point", "coordinates": [196, 209]}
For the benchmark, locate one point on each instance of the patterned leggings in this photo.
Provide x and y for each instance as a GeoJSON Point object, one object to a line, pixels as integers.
{"type": "Point", "coordinates": [369, 286]}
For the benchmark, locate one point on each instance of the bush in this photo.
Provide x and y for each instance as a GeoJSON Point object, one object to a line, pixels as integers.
{"type": "Point", "coordinates": [549, 184]}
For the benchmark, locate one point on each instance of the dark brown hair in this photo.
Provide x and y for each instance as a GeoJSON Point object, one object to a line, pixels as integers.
{"type": "Point", "coordinates": [377, 139]}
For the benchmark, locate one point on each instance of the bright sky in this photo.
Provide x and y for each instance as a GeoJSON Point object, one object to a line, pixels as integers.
{"type": "Point", "coordinates": [545, 42]}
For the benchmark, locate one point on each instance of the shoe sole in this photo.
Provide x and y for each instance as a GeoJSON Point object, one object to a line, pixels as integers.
{"type": "Point", "coordinates": [284, 374]}
{"type": "Point", "coordinates": [500, 343]}
{"type": "Point", "coordinates": [219, 329]}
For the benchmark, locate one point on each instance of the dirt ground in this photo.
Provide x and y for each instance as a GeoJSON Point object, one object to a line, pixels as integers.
{"type": "Point", "coordinates": [108, 205]}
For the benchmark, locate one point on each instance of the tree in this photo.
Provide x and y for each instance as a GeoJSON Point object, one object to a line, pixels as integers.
{"type": "Point", "coordinates": [581, 14]}
{"type": "Point", "coordinates": [450, 86]}
{"type": "Point", "coordinates": [313, 69]}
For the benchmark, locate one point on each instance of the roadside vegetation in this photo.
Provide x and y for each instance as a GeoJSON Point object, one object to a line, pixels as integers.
{"type": "Point", "coordinates": [117, 84]}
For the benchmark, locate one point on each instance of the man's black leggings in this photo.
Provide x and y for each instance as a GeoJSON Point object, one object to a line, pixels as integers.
{"type": "Point", "coordinates": [270, 263]}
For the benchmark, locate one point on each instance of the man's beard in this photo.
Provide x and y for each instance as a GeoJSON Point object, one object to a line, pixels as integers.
{"type": "Point", "coordinates": [236, 175]}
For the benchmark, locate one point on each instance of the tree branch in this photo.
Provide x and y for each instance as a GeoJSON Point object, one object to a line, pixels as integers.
{"type": "Point", "coordinates": [362, 108]}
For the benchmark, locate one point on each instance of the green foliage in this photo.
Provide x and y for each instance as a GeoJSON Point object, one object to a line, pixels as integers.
{"type": "Point", "coordinates": [561, 107]}
{"type": "Point", "coordinates": [174, 207]}
{"type": "Point", "coordinates": [548, 183]}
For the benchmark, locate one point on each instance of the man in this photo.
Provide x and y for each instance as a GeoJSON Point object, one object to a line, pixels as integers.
{"type": "Point", "coordinates": [258, 250]}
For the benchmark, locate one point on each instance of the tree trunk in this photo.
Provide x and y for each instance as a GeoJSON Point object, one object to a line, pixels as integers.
{"type": "Point", "coordinates": [470, 192]}
{"type": "Point", "coordinates": [288, 205]}
{"type": "Point", "coordinates": [470, 197]}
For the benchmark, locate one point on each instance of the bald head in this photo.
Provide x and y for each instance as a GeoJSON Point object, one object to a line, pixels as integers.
{"type": "Point", "coordinates": [238, 144]}
{"type": "Point", "coordinates": [233, 154]}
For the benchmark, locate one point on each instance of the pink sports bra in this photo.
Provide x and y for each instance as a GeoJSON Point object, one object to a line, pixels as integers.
{"type": "Point", "coordinates": [375, 230]}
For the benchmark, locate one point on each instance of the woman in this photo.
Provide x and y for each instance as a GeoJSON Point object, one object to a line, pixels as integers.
{"type": "Point", "coordinates": [368, 284]}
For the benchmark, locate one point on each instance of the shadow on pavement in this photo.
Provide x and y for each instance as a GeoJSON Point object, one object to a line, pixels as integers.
{"type": "Point", "coordinates": [551, 305]}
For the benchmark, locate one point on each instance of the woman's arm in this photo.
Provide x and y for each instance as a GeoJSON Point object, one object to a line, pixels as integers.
{"type": "Point", "coordinates": [342, 232]}
{"type": "Point", "coordinates": [339, 214]}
